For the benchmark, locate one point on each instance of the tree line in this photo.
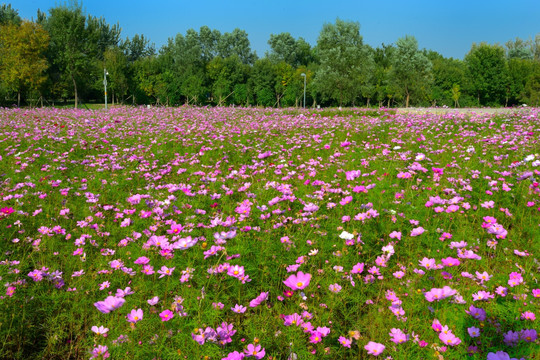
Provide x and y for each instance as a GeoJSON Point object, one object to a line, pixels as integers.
{"type": "Point", "coordinates": [61, 56]}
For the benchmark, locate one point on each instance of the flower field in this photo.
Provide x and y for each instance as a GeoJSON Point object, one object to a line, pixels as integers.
{"type": "Point", "coordinates": [229, 233]}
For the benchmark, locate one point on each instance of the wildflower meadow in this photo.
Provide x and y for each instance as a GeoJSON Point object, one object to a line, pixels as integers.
{"type": "Point", "coordinates": [236, 233]}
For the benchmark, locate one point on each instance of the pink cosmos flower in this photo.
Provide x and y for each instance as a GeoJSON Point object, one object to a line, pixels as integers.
{"type": "Point", "coordinates": [256, 351]}
{"type": "Point", "coordinates": [527, 315]}
{"type": "Point", "coordinates": [358, 268]}
{"type": "Point", "coordinates": [166, 315]}
{"type": "Point", "coordinates": [239, 309]}
{"type": "Point", "coordinates": [397, 336]}
{"type": "Point", "coordinates": [449, 339]}
{"type": "Point", "coordinates": [153, 301]}
{"type": "Point", "coordinates": [335, 288]}
{"type": "Point", "coordinates": [258, 300]}
{"type": "Point", "coordinates": [165, 271]}
{"type": "Point", "coordinates": [374, 348]}
{"type": "Point", "coordinates": [235, 355]}
{"type": "Point", "coordinates": [100, 330]}
{"type": "Point", "coordinates": [109, 304]}
{"type": "Point", "coordinates": [450, 261]}
{"type": "Point", "coordinates": [135, 316]}
{"type": "Point", "coordinates": [417, 231]}
{"type": "Point", "coordinates": [395, 235]}
{"type": "Point", "coordinates": [315, 337]}
{"type": "Point", "coordinates": [299, 281]}
{"type": "Point", "coordinates": [345, 342]}
{"type": "Point", "coordinates": [293, 319]}
{"type": "Point", "coordinates": [100, 351]}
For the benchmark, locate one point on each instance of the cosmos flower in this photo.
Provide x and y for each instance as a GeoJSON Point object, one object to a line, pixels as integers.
{"type": "Point", "coordinates": [135, 316]}
{"type": "Point", "coordinates": [374, 348]}
{"type": "Point", "coordinates": [299, 281]}
{"type": "Point", "coordinates": [109, 304]}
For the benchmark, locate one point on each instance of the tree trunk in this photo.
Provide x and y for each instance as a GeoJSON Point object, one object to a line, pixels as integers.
{"type": "Point", "coordinates": [407, 100]}
{"type": "Point", "coordinates": [75, 89]}
{"type": "Point", "coordinates": [18, 99]}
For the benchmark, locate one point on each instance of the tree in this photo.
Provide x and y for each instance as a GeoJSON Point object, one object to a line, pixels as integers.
{"type": "Point", "coordinates": [77, 43]}
{"type": "Point", "coordinates": [8, 15]}
{"type": "Point", "coordinates": [236, 43]}
{"type": "Point", "coordinates": [411, 69]}
{"type": "Point", "coordinates": [448, 73]}
{"type": "Point", "coordinates": [293, 52]}
{"type": "Point", "coordinates": [117, 66]}
{"type": "Point", "coordinates": [345, 63]}
{"type": "Point", "coordinates": [137, 47]}
{"type": "Point", "coordinates": [22, 60]}
{"type": "Point", "coordinates": [488, 73]}
{"type": "Point", "coordinates": [519, 49]}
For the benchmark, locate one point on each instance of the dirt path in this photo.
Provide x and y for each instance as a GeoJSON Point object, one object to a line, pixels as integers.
{"type": "Point", "coordinates": [459, 111]}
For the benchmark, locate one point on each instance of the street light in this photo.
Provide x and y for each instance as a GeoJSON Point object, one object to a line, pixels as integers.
{"type": "Point", "coordinates": [304, 75]}
{"type": "Point", "coordinates": [105, 73]}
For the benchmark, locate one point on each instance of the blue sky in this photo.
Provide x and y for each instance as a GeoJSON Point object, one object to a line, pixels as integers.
{"type": "Point", "coordinates": [448, 27]}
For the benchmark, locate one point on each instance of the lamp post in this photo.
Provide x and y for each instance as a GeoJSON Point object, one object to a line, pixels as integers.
{"type": "Point", "coordinates": [304, 75]}
{"type": "Point", "coordinates": [105, 73]}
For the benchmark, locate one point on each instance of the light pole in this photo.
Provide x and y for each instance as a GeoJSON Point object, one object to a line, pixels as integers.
{"type": "Point", "coordinates": [304, 75]}
{"type": "Point", "coordinates": [105, 73]}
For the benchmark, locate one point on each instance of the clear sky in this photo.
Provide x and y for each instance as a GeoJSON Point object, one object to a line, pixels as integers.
{"type": "Point", "coordinates": [448, 27]}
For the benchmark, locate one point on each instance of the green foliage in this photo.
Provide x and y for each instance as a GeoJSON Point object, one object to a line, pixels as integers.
{"type": "Point", "coordinates": [289, 50]}
{"type": "Point", "coordinates": [345, 63]}
{"type": "Point", "coordinates": [488, 73]}
{"type": "Point", "coordinates": [411, 69]}
{"type": "Point", "coordinates": [9, 16]}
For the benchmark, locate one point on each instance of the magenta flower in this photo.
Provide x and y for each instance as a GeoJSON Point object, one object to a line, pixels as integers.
{"type": "Point", "coordinates": [256, 351]}
{"type": "Point", "coordinates": [374, 348]}
{"type": "Point", "coordinates": [345, 342]}
{"type": "Point", "coordinates": [100, 350]}
{"type": "Point", "coordinates": [449, 339]}
{"type": "Point", "coordinates": [165, 271]}
{"type": "Point", "coordinates": [239, 309]}
{"type": "Point", "coordinates": [6, 210]}
{"type": "Point", "coordinates": [315, 337]}
{"type": "Point", "coordinates": [417, 231]}
{"type": "Point", "coordinates": [135, 316]}
{"type": "Point", "coordinates": [358, 268]}
{"type": "Point", "coordinates": [235, 355]}
{"type": "Point", "coordinates": [397, 336]}
{"type": "Point", "coordinates": [299, 281]}
{"type": "Point", "coordinates": [166, 315]}
{"type": "Point", "coordinates": [293, 319]}
{"type": "Point", "coordinates": [109, 304]}
{"type": "Point", "coordinates": [527, 315]}
{"type": "Point", "coordinates": [258, 300]}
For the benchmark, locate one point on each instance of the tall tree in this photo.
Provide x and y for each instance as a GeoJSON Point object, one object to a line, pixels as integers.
{"type": "Point", "coordinates": [286, 48]}
{"type": "Point", "coordinates": [411, 69]}
{"type": "Point", "coordinates": [76, 43]}
{"type": "Point", "coordinates": [22, 59]}
{"type": "Point", "coordinates": [488, 73]}
{"type": "Point", "coordinates": [519, 49]}
{"type": "Point", "coordinates": [9, 15]}
{"type": "Point", "coordinates": [236, 43]}
{"type": "Point", "coordinates": [345, 63]}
